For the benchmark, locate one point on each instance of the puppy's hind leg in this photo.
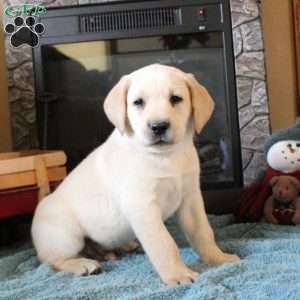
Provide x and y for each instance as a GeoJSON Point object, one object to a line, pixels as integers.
{"type": "Point", "coordinates": [59, 246]}
{"type": "Point", "coordinates": [79, 266]}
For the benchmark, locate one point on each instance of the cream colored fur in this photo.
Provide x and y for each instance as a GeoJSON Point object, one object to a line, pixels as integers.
{"type": "Point", "coordinates": [130, 185]}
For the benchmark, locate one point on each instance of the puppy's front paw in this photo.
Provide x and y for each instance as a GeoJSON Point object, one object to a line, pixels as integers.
{"type": "Point", "coordinates": [183, 275]}
{"type": "Point", "coordinates": [221, 258]}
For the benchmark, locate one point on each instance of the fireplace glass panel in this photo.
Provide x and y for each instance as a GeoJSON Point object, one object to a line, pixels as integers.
{"type": "Point", "coordinates": [81, 74]}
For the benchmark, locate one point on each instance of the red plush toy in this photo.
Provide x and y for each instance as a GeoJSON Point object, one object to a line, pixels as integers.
{"type": "Point", "coordinates": [283, 156]}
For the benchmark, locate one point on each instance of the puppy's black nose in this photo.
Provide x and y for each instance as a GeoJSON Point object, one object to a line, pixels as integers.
{"type": "Point", "coordinates": [159, 128]}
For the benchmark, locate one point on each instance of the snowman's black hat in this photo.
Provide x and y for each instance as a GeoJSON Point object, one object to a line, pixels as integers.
{"type": "Point", "coordinates": [292, 133]}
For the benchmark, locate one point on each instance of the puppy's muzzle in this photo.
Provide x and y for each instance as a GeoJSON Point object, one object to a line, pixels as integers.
{"type": "Point", "coordinates": [159, 128]}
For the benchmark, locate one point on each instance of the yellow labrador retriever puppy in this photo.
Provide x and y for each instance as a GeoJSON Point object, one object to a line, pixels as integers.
{"type": "Point", "coordinates": [146, 171]}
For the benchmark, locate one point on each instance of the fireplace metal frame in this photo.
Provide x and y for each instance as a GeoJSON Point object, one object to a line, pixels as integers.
{"type": "Point", "coordinates": [68, 19]}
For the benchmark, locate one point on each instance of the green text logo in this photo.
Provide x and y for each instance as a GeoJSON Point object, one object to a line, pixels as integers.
{"type": "Point", "coordinates": [24, 10]}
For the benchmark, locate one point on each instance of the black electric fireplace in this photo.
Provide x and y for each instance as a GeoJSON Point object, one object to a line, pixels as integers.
{"type": "Point", "coordinates": [85, 50]}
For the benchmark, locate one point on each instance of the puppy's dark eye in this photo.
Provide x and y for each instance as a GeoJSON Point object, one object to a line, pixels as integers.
{"type": "Point", "coordinates": [175, 99]}
{"type": "Point", "coordinates": [139, 102]}
{"type": "Point", "coordinates": [298, 145]}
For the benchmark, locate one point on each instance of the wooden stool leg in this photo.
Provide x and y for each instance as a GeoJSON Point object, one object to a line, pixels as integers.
{"type": "Point", "coordinates": [41, 177]}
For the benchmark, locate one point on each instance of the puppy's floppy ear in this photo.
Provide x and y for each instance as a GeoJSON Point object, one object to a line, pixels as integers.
{"type": "Point", "coordinates": [202, 103]}
{"type": "Point", "coordinates": [115, 104]}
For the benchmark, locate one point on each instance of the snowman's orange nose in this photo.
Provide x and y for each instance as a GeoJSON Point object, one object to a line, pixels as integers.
{"type": "Point", "coordinates": [290, 147]}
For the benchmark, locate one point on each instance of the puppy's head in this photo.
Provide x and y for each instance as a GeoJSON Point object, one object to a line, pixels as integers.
{"type": "Point", "coordinates": [158, 104]}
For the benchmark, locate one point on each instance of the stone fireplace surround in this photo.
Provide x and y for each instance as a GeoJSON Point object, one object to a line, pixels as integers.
{"type": "Point", "coordinates": [250, 79]}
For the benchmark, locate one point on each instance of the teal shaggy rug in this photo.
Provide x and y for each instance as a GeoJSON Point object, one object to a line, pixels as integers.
{"type": "Point", "coordinates": [269, 269]}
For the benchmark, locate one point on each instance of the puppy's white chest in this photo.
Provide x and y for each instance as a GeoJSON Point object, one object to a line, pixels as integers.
{"type": "Point", "coordinates": [169, 195]}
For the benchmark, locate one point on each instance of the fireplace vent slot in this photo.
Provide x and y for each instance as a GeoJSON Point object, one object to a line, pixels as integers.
{"type": "Point", "coordinates": [130, 19]}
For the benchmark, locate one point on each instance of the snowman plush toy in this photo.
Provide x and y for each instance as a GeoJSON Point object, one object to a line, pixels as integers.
{"type": "Point", "coordinates": [282, 150]}
{"type": "Point", "coordinates": [283, 155]}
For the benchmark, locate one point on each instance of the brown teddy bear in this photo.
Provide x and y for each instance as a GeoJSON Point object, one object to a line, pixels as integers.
{"type": "Point", "coordinates": [283, 206]}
